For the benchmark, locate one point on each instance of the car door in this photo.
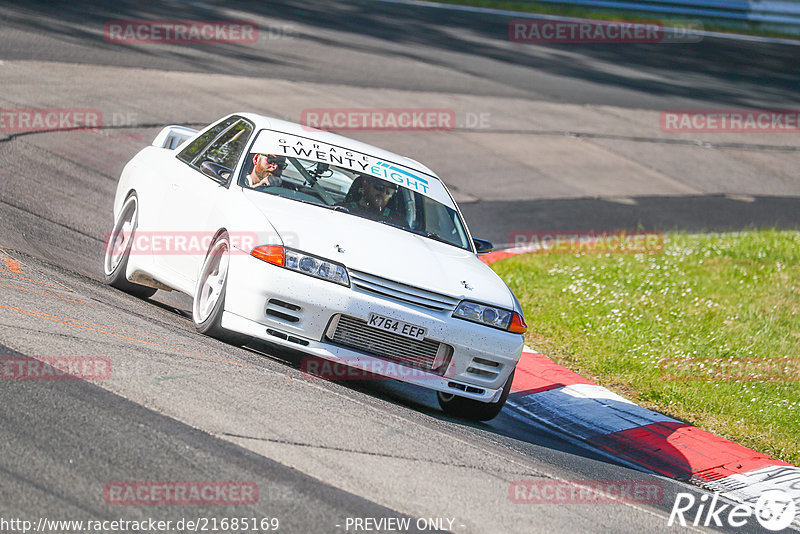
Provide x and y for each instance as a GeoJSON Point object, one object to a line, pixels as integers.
{"type": "Point", "coordinates": [196, 188]}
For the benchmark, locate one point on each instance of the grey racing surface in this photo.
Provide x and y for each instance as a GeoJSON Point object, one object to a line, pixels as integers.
{"type": "Point", "coordinates": [178, 406]}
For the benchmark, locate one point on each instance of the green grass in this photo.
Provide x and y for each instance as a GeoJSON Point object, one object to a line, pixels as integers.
{"type": "Point", "coordinates": [624, 320]}
{"type": "Point", "coordinates": [618, 15]}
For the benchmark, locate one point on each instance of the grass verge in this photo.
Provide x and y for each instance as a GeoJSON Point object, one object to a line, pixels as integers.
{"type": "Point", "coordinates": [706, 331]}
{"type": "Point", "coordinates": [618, 15]}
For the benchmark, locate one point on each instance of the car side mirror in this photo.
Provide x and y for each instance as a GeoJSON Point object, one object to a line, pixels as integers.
{"type": "Point", "coordinates": [483, 246]}
{"type": "Point", "coordinates": [215, 171]}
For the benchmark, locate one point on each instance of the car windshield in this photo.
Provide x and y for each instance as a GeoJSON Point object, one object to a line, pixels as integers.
{"type": "Point", "coordinates": [354, 193]}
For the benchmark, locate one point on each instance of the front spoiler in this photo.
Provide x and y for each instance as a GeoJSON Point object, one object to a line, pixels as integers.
{"type": "Point", "coordinates": [359, 360]}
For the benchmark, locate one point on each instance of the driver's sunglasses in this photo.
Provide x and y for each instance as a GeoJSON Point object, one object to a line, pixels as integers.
{"type": "Point", "coordinates": [384, 188]}
{"type": "Point", "coordinates": [272, 160]}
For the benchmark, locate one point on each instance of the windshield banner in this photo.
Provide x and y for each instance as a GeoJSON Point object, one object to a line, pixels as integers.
{"type": "Point", "coordinates": [292, 146]}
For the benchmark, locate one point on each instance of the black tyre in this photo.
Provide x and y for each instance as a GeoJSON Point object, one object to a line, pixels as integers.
{"type": "Point", "coordinates": [118, 250]}
{"type": "Point", "coordinates": [473, 410]}
{"type": "Point", "coordinates": [209, 296]}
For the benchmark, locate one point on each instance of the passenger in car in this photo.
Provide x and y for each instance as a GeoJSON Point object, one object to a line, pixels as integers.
{"type": "Point", "coordinates": [368, 197]}
{"type": "Point", "coordinates": [267, 169]}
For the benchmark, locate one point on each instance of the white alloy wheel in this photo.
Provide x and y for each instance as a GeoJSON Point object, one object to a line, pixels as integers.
{"type": "Point", "coordinates": [120, 238]}
{"type": "Point", "coordinates": [118, 248]}
{"type": "Point", "coordinates": [209, 296]}
{"type": "Point", "coordinates": [211, 283]}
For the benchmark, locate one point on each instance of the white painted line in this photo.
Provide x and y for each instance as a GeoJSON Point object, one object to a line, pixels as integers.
{"type": "Point", "coordinates": [755, 483]}
{"type": "Point", "coordinates": [786, 477]}
{"type": "Point", "coordinates": [542, 16]}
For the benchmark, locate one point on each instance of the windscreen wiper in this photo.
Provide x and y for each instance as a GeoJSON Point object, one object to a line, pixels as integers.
{"type": "Point", "coordinates": [393, 225]}
{"type": "Point", "coordinates": [429, 235]}
{"type": "Point", "coordinates": [327, 207]}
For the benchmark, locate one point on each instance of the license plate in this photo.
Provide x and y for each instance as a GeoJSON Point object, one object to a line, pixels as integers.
{"type": "Point", "coordinates": [398, 327]}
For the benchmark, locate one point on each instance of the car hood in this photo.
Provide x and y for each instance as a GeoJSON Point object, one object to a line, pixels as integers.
{"type": "Point", "coordinates": [382, 250]}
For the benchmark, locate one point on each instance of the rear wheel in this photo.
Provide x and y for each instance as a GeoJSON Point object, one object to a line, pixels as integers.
{"type": "Point", "coordinates": [209, 296]}
{"type": "Point", "coordinates": [118, 249]}
{"type": "Point", "coordinates": [471, 409]}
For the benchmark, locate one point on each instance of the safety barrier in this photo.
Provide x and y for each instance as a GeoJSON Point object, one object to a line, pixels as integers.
{"type": "Point", "coordinates": [778, 14]}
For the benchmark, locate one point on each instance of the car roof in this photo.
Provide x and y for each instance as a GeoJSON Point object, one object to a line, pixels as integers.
{"type": "Point", "coordinates": [293, 128]}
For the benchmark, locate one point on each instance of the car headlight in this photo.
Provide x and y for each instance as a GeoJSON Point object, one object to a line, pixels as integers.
{"type": "Point", "coordinates": [491, 316]}
{"type": "Point", "coordinates": [303, 263]}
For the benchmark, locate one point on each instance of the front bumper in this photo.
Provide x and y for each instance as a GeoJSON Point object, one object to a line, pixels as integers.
{"type": "Point", "coordinates": [255, 286]}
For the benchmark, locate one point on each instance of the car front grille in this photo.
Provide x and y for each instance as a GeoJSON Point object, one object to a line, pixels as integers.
{"type": "Point", "coordinates": [402, 292]}
{"type": "Point", "coordinates": [352, 332]}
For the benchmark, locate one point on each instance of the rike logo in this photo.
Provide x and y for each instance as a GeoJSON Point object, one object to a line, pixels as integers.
{"type": "Point", "coordinates": [774, 510]}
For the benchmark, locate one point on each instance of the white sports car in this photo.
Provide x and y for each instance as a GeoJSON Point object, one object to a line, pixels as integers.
{"type": "Point", "coordinates": [323, 244]}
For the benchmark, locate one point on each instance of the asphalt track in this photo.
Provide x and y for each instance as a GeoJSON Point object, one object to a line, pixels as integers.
{"type": "Point", "coordinates": [181, 407]}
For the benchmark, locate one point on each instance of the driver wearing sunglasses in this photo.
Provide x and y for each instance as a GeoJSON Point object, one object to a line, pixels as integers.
{"type": "Point", "coordinates": [267, 169]}
{"type": "Point", "coordinates": [369, 197]}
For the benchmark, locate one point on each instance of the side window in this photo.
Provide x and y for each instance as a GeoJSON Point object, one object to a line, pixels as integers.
{"type": "Point", "coordinates": [191, 151]}
{"type": "Point", "coordinates": [228, 148]}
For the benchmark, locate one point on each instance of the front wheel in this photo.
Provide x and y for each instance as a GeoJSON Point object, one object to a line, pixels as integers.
{"type": "Point", "coordinates": [209, 296]}
{"type": "Point", "coordinates": [471, 409]}
{"type": "Point", "coordinates": [118, 249]}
